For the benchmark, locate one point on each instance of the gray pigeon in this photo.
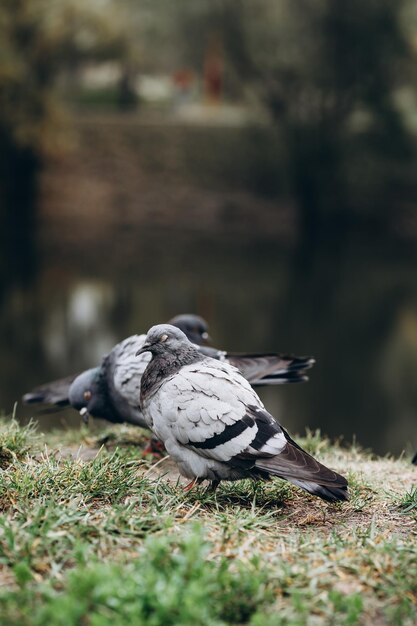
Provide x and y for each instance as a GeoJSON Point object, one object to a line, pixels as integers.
{"type": "Point", "coordinates": [215, 426]}
{"type": "Point", "coordinates": [111, 390]}
{"type": "Point", "coordinates": [258, 369]}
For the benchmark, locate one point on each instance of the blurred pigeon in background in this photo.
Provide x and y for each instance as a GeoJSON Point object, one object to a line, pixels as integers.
{"type": "Point", "coordinates": [258, 369]}
{"type": "Point", "coordinates": [214, 425]}
{"type": "Point", "coordinates": [111, 390]}
{"type": "Point", "coordinates": [194, 326]}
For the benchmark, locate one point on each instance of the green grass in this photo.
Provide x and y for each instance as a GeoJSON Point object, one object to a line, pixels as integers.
{"type": "Point", "coordinates": [409, 502]}
{"type": "Point", "coordinates": [93, 533]}
{"type": "Point", "coordinates": [15, 441]}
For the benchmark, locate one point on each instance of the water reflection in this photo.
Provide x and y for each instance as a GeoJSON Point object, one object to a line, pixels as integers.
{"type": "Point", "coordinates": [350, 299]}
{"type": "Point", "coordinates": [79, 324]}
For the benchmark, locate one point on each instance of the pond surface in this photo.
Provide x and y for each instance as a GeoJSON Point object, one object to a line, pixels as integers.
{"type": "Point", "coordinates": [139, 224]}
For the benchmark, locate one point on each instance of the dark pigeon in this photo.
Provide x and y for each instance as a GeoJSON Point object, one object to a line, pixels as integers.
{"type": "Point", "coordinates": [258, 368]}
{"type": "Point", "coordinates": [110, 391]}
{"type": "Point", "coordinates": [194, 326]}
{"type": "Point", "coordinates": [214, 425]}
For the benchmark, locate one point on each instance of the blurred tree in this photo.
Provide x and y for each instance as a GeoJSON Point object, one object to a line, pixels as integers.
{"type": "Point", "coordinates": [39, 42]}
{"type": "Point", "coordinates": [328, 73]}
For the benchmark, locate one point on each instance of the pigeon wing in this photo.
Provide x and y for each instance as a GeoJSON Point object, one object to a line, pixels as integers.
{"type": "Point", "coordinates": [208, 407]}
{"type": "Point", "coordinates": [124, 372]}
{"type": "Point", "coordinates": [264, 368]}
{"type": "Point", "coordinates": [271, 369]}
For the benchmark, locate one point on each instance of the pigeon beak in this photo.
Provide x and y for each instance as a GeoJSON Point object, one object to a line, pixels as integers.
{"type": "Point", "coordinates": [145, 348]}
{"type": "Point", "coordinates": [206, 337]}
{"type": "Point", "coordinates": [84, 414]}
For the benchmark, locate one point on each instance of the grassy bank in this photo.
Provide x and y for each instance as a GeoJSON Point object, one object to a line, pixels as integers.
{"type": "Point", "coordinates": [93, 533]}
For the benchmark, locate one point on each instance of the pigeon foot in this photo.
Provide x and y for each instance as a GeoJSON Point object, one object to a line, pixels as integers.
{"type": "Point", "coordinates": [212, 486]}
{"type": "Point", "coordinates": [191, 484]}
{"type": "Point", "coordinates": [154, 448]}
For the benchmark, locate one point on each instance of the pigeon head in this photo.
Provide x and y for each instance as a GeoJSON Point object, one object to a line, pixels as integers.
{"type": "Point", "coordinates": [194, 326]}
{"type": "Point", "coordinates": [88, 395]}
{"type": "Point", "coordinates": [164, 338]}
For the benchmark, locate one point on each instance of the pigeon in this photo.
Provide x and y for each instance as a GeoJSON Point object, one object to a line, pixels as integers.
{"type": "Point", "coordinates": [258, 369]}
{"type": "Point", "coordinates": [194, 326]}
{"type": "Point", "coordinates": [111, 390]}
{"type": "Point", "coordinates": [214, 425]}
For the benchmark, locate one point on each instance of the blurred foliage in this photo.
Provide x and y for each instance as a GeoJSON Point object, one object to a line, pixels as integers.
{"type": "Point", "coordinates": [312, 62]}
{"type": "Point", "coordinates": [320, 66]}
{"type": "Point", "coordinates": [317, 62]}
{"type": "Point", "coordinates": [329, 74]}
{"type": "Point", "coordinates": [42, 44]}
{"type": "Point", "coordinates": [40, 41]}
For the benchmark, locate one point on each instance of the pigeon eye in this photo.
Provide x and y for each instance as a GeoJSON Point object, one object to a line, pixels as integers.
{"type": "Point", "coordinates": [87, 395]}
{"type": "Point", "coordinates": [163, 338]}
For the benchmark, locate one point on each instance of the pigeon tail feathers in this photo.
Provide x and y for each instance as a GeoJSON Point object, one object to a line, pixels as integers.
{"type": "Point", "coordinates": [301, 469]}
{"type": "Point", "coordinates": [55, 392]}
{"type": "Point", "coordinates": [330, 494]}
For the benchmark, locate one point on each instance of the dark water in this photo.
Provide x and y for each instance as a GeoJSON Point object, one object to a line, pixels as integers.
{"type": "Point", "coordinates": [134, 228]}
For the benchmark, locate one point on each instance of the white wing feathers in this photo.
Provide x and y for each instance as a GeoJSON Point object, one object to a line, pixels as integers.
{"type": "Point", "coordinates": [211, 408]}
{"type": "Point", "coordinates": [126, 369]}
